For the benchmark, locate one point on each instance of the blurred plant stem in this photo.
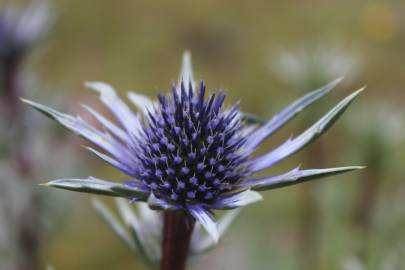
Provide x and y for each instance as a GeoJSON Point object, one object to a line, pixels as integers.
{"type": "Point", "coordinates": [177, 231]}
{"type": "Point", "coordinates": [10, 68]}
{"type": "Point", "coordinates": [310, 224]}
{"type": "Point", "coordinates": [367, 192]}
{"type": "Point", "coordinates": [15, 117]}
{"type": "Point", "coordinates": [26, 229]}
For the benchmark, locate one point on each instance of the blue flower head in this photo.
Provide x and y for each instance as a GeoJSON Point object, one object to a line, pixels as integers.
{"type": "Point", "coordinates": [189, 152]}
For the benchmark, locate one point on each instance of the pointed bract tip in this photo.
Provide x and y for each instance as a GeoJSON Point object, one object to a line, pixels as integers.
{"type": "Point", "coordinates": [186, 55]}
{"type": "Point", "coordinates": [98, 86]}
{"type": "Point", "coordinates": [255, 196]}
{"type": "Point", "coordinates": [85, 147]}
{"type": "Point", "coordinates": [44, 184]}
{"type": "Point", "coordinates": [351, 168]}
{"type": "Point", "coordinates": [362, 89]}
{"type": "Point", "coordinates": [340, 79]}
{"type": "Point", "coordinates": [91, 85]}
{"type": "Point", "coordinates": [335, 82]}
{"type": "Point", "coordinates": [354, 95]}
{"type": "Point", "coordinates": [186, 70]}
{"type": "Point", "coordinates": [214, 233]}
{"type": "Point", "coordinates": [215, 238]}
{"type": "Point", "coordinates": [88, 148]}
{"type": "Point", "coordinates": [186, 65]}
{"type": "Point", "coordinates": [24, 100]}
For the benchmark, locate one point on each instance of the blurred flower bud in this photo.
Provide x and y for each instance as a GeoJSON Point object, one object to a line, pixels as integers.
{"type": "Point", "coordinates": [22, 28]}
{"type": "Point", "coordinates": [309, 67]}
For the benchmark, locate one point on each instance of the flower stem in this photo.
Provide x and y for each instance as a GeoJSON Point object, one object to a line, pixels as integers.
{"type": "Point", "coordinates": [27, 235]}
{"type": "Point", "coordinates": [9, 69]}
{"type": "Point", "coordinates": [177, 230]}
{"type": "Point", "coordinates": [15, 114]}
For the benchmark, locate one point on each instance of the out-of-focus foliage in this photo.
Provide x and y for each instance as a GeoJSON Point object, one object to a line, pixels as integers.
{"type": "Point", "coordinates": [306, 67]}
{"type": "Point", "coordinates": [24, 211]}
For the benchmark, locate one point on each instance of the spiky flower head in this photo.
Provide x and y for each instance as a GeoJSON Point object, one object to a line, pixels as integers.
{"type": "Point", "coordinates": [189, 152]}
{"type": "Point", "coordinates": [21, 28]}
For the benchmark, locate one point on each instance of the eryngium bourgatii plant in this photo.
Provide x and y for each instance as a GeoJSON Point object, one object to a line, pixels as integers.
{"type": "Point", "coordinates": [187, 155]}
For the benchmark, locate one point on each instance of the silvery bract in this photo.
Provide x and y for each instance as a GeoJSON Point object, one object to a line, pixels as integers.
{"type": "Point", "coordinates": [141, 230]}
{"type": "Point", "coordinates": [187, 152]}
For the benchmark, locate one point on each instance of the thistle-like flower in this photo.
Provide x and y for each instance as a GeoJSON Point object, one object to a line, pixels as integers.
{"type": "Point", "coordinates": [187, 152]}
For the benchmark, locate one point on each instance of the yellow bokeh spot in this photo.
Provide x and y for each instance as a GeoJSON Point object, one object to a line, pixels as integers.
{"type": "Point", "coordinates": [380, 22]}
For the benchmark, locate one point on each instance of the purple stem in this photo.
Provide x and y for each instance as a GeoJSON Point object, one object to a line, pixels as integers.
{"type": "Point", "coordinates": [177, 231]}
{"type": "Point", "coordinates": [9, 85]}
{"type": "Point", "coordinates": [15, 115]}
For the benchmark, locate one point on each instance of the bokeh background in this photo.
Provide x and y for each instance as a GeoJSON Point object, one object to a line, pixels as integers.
{"type": "Point", "coordinates": [266, 54]}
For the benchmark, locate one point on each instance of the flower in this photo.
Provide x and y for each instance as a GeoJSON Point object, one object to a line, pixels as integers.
{"type": "Point", "coordinates": [20, 29]}
{"type": "Point", "coordinates": [186, 152]}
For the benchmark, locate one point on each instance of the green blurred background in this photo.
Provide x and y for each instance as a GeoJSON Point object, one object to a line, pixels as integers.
{"type": "Point", "coordinates": [266, 54]}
